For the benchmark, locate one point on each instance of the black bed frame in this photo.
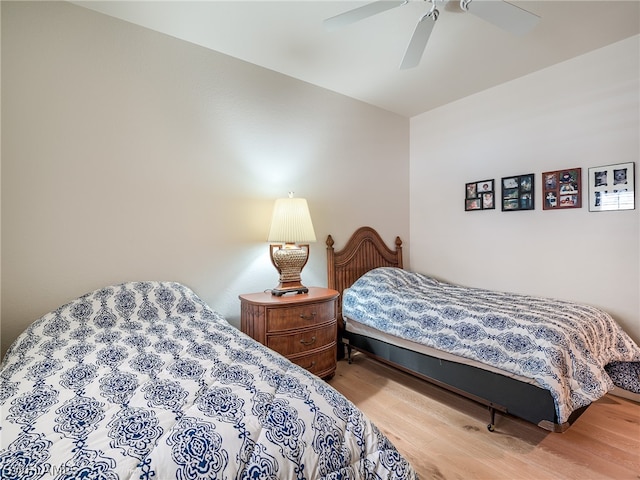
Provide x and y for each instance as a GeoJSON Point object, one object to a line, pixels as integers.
{"type": "Point", "coordinates": [366, 250]}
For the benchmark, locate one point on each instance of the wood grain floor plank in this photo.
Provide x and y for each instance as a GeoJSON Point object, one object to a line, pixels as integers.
{"type": "Point", "coordinates": [444, 435]}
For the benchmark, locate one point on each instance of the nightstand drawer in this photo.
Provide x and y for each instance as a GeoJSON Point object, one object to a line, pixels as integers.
{"type": "Point", "coordinates": [303, 341]}
{"type": "Point", "coordinates": [320, 363]}
{"type": "Point", "coordinates": [279, 319]}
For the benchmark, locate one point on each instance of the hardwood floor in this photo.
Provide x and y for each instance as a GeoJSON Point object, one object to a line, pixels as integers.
{"type": "Point", "coordinates": [444, 436]}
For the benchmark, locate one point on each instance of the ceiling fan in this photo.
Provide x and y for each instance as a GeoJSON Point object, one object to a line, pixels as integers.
{"type": "Point", "coordinates": [505, 15]}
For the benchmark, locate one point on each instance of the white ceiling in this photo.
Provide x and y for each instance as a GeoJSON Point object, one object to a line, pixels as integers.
{"type": "Point", "coordinates": [464, 55]}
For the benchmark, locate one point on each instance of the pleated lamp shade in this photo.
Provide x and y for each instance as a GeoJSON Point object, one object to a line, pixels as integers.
{"type": "Point", "coordinates": [291, 222]}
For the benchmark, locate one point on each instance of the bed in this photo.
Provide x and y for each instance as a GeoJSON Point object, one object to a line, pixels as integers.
{"type": "Point", "coordinates": [459, 337]}
{"type": "Point", "coordinates": [143, 380]}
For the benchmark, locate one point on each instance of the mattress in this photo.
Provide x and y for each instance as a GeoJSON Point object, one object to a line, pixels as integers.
{"type": "Point", "coordinates": [563, 346]}
{"type": "Point", "coordinates": [144, 381]}
{"type": "Point", "coordinates": [358, 328]}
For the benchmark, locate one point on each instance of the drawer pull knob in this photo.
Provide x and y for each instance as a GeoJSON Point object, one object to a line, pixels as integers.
{"type": "Point", "coordinates": [313, 364]}
{"type": "Point", "coordinates": [308, 317]}
{"type": "Point", "coordinates": [310, 342]}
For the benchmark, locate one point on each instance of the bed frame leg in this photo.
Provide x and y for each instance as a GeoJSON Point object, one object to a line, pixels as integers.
{"type": "Point", "coordinates": [349, 353]}
{"type": "Point", "coordinates": [492, 424]}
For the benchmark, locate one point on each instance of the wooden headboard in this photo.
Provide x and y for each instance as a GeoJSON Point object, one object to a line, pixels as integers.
{"type": "Point", "coordinates": [364, 251]}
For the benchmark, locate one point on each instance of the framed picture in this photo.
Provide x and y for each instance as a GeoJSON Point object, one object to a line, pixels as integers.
{"type": "Point", "coordinates": [479, 196]}
{"type": "Point", "coordinates": [612, 187]}
{"type": "Point", "coordinates": [562, 189]}
{"type": "Point", "coordinates": [518, 193]}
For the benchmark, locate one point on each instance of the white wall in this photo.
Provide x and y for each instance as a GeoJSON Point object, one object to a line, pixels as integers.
{"type": "Point", "coordinates": [581, 113]}
{"type": "Point", "coordinates": [131, 155]}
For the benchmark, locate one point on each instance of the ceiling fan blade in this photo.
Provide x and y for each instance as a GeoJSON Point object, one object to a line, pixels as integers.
{"type": "Point", "coordinates": [361, 13]}
{"type": "Point", "coordinates": [505, 15]}
{"type": "Point", "coordinates": [418, 42]}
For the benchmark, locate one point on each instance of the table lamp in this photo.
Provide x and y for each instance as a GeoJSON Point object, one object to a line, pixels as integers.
{"type": "Point", "coordinates": [291, 227]}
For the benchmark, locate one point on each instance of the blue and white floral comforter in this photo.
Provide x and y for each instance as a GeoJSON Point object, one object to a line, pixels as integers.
{"type": "Point", "coordinates": [563, 346]}
{"type": "Point", "coordinates": [143, 380]}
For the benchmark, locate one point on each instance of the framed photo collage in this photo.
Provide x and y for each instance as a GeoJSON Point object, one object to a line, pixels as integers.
{"type": "Point", "coordinates": [480, 196]}
{"type": "Point", "coordinates": [611, 187]}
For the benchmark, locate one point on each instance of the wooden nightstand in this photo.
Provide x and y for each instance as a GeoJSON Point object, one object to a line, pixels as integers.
{"type": "Point", "coordinates": [302, 327]}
